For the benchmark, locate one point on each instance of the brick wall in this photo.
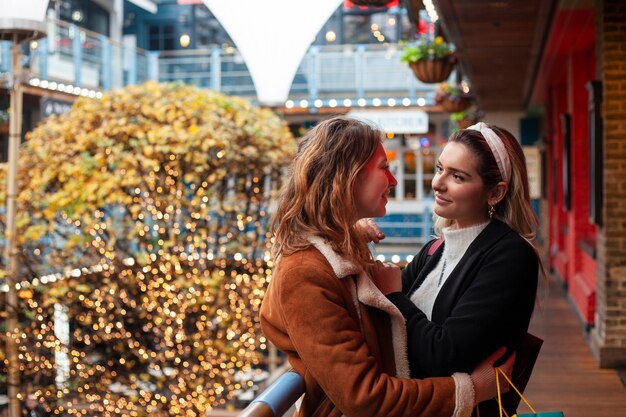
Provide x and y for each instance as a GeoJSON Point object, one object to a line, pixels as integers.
{"type": "Point", "coordinates": [608, 338]}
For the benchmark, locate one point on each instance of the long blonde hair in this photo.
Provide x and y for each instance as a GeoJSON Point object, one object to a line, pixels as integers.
{"type": "Point", "coordinates": [317, 198]}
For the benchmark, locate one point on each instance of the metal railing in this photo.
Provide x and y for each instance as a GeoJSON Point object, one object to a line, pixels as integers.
{"type": "Point", "coordinates": [277, 398]}
{"type": "Point", "coordinates": [327, 76]}
{"type": "Point", "coordinates": [78, 57]}
{"type": "Point", "coordinates": [336, 72]}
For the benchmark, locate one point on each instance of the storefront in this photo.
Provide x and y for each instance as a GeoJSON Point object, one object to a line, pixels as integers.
{"type": "Point", "coordinates": [580, 87]}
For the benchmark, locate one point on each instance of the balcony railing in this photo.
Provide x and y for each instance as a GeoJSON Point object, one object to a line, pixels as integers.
{"type": "Point", "coordinates": [72, 59]}
{"type": "Point", "coordinates": [72, 56]}
{"type": "Point", "coordinates": [276, 399]}
{"type": "Point", "coordinates": [339, 73]}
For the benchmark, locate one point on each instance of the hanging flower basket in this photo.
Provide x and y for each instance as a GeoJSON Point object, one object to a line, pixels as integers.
{"type": "Point", "coordinates": [467, 118]}
{"type": "Point", "coordinates": [455, 104]}
{"type": "Point", "coordinates": [465, 123]}
{"type": "Point", "coordinates": [432, 60]}
{"type": "Point", "coordinates": [433, 70]}
{"type": "Point", "coordinates": [454, 97]}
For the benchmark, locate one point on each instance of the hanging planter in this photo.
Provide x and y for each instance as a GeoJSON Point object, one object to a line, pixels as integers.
{"type": "Point", "coordinates": [451, 105]}
{"type": "Point", "coordinates": [432, 60]}
{"type": "Point", "coordinates": [465, 119]}
{"type": "Point", "coordinates": [454, 97]}
{"type": "Point", "coordinates": [432, 70]}
{"type": "Point", "coordinates": [465, 123]}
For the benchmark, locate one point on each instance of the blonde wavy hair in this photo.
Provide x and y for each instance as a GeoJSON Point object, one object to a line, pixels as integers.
{"type": "Point", "coordinates": [317, 198]}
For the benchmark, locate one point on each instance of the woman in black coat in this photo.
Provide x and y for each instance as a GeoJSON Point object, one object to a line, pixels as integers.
{"type": "Point", "coordinates": [473, 289]}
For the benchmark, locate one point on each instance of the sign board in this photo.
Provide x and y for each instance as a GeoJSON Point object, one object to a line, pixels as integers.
{"type": "Point", "coordinates": [394, 121]}
{"type": "Point", "coordinates": [533, 166]}
{"type": "Point", "coordinates": [50, 106]}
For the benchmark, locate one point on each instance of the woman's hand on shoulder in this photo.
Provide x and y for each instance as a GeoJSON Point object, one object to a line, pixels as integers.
{"type": "Point", "coordinates": [370, 230]}
{"type": "Point", "coordinates": [387, 277]}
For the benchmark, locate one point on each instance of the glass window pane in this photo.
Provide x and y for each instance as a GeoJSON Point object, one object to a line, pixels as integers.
{"type": "Point", "coordinates": [392, 159]}
{"type": "Point", "coordinates": [429, 158]}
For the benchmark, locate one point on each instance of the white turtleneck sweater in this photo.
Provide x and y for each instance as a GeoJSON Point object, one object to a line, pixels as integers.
{"type": "Point", "coordinates": [457, 242]}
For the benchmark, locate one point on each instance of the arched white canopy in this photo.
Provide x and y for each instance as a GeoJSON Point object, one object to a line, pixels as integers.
{"type": "Point", "coordinates": [272, 37]}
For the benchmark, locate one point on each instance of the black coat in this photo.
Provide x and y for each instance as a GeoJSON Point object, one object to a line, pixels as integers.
{"type": "Point", "coordinates": [486, 302]}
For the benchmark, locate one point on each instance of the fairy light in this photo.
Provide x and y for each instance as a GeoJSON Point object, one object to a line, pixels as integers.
{"type": "Point", "coordinates": [66, 88]}
{"type": "Point", "coordinates": [165, 320]}
{"type": "Point", "coordinates": [430, 10]}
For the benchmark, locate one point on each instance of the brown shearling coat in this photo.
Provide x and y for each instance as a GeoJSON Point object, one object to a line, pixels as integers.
{"type": "Point", "coordinates": [348, 342]}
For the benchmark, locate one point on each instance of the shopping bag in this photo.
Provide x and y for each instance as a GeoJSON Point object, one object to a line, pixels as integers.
{"type": "Point", "coordinates": [534, 413]}
{"type": "Point", "coordinates": [525, 357]}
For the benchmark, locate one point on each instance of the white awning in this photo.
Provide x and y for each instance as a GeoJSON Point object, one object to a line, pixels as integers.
{"type": "Point", "coordinates": [34, 10]}
{"type": "Point", "coordinates": [272, 36]}
{"type": "Point", "coordinates": [147, 5]}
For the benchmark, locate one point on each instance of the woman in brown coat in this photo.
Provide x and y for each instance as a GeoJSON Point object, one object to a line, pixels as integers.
{"type": "Point", "coordinates": [345, 338]}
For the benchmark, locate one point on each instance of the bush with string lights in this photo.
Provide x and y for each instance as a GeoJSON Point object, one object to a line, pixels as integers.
{"type": "Point", "coordinates": [142, 218]}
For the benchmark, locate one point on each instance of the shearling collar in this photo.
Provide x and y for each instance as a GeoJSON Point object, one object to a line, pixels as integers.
{"type": "Point", "coordinates": [341, 266]}
{"type": "Point", "coordinates": [365, 291]}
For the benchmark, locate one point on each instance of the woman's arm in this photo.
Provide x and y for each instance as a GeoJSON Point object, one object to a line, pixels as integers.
{"type": "Point", "coordinates": [493, 311]}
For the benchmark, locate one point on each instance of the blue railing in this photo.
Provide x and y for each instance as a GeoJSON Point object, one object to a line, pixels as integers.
{"type": "Point", "coordinates": [276, 399]}
{"type": "Point", "coordinates": [339, 73]}
{"type": "Point", "coordinates": [365, 75]}
{"type": "Point", "coordinates": [407, 228]}
{"type": "Point", "coordinates": [72, 56]}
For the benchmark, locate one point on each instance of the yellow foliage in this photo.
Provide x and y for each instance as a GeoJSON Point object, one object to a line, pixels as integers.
{"type": "Point", "coordinates": [96, 155]}
{"type": "Point", "coordinates": [140, 201]}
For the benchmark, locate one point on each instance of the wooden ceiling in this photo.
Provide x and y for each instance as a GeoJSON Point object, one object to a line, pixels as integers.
{"type": "Point", "coordinates": [499, 45]}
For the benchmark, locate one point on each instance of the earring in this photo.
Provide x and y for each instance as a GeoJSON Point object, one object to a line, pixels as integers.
{"type": "Point", "coordinates": [491, 210]}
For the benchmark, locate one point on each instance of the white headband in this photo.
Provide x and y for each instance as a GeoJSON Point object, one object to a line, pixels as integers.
{"type": "Point", "coordinates": [497, 149]}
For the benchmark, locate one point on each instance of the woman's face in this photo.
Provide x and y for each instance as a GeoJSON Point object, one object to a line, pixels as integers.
{"type": "Point", "coordinates": [460, 193]}
{"type": "Point", "coordinates": [373, 185]}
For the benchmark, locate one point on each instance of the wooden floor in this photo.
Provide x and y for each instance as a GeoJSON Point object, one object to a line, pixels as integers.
{"type": "Point", "coordinates": [566, 376]}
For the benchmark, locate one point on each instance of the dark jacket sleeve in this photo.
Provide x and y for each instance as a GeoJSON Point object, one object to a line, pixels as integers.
{"type": "Point", "coordinates": [413, 268]}
{"type": "Point", "coordinates": [493, 309]}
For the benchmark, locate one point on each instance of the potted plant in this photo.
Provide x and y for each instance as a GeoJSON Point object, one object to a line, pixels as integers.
{"type": "Point", "coordinates": [454, 97]}
{"type": "Point", "coordinates": [465, 119]}
{"type": "Point", "coordinates": [432, 60]}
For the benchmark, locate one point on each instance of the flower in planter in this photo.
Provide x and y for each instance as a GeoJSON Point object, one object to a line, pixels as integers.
{"type": "Point", "coordinates": [453, 91]}
{"type": "Point", "coordinates": [431, 60]}
{"type": "Point", "coordinates": [465, 119]}
{"type": "Point", "coordinates": [454, 97]}
{"type": "Point", "coordinates": [426, 48]}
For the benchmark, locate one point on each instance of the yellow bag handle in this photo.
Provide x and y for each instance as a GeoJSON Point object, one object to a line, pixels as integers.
{"type": "Point", "coordinates": [500, 371]}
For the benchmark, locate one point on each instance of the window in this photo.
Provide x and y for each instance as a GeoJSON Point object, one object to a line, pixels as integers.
{"type": "Point", "coordinates": [595, 152]}
{"type": "Point", "coordinates": [412, 160]}
{"type": "Point", "coordinates": [85, 14]}
{"type": "Point", "coordinates": [566, 133]}
{"type": "Point", "coordinates": [161, 37]}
